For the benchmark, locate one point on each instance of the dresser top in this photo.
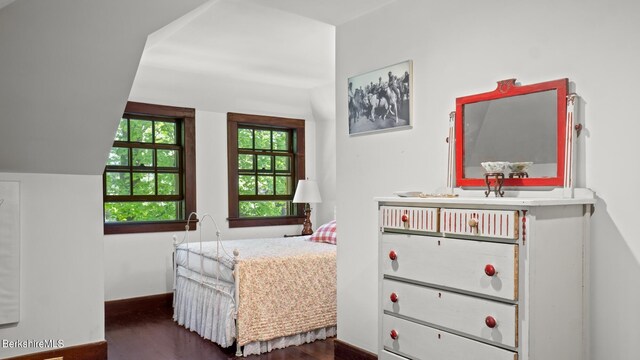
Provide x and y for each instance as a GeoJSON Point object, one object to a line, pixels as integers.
{"type": "Point", "coordinates": [529, 199]}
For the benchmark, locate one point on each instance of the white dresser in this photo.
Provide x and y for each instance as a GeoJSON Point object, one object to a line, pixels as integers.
{"type": "Point", "coordinates": [483, 278]}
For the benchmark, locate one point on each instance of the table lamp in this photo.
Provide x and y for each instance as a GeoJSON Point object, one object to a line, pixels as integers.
{"type": "Point", "coordinates": [307, 192]}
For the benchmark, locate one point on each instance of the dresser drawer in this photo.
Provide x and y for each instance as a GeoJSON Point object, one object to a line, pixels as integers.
{"type": "Point", "coordinates": [462, 313]}
{"type": "Point", "coordinates": [476, 266]}
{"type": "Point", "coordinates": [499, 224]}
{"type": "Point", "coordinates": [409, 218]}
{"type": "Point", "coordinates": [422, 342]}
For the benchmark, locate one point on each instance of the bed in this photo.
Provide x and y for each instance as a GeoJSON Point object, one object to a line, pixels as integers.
{"type": "Point", "coordinates": [261, 294]}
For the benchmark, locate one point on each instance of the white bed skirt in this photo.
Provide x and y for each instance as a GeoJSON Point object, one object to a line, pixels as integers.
{"type": "Point", "coordinates": [211, 314]}
{"type": "Point", "coordinates": [260, 347]}
{"type": "Point", "coordinates": [205, 311]}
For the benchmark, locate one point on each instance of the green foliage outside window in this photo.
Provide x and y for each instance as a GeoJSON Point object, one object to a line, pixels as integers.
{"type": "Point", "coordinates": [144, 162]}
{"type": "Point", "coordinates": [264, 171]}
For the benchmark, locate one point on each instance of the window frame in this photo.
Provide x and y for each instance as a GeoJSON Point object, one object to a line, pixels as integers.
{"type": "Point", "coordinates": [297, 128]}
{"type": "Point", "coordinates": [186, 118]}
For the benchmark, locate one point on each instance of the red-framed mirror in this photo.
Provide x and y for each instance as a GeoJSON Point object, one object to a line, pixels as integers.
{"type": "Point", "coordinates": [516, 124]}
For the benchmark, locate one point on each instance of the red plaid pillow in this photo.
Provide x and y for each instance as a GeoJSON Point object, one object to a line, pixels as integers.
{"type": "Point", "coordinates": [326, 233]}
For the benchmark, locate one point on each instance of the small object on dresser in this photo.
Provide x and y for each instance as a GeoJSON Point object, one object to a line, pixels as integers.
{"type": "Point", "coordinates": [495, 166]}
{"type": "Point", "coordinates": [519, 169]}
{"type": "Point", "coordinates": [407, 193]}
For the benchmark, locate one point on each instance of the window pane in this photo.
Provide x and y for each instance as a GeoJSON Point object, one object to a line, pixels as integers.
{"type": "Point", "coordinates": [283, 163]}
{"type": "Point", "coordinates": [264, 163]}
{"type": "Point", "coordinates": [167, 158]}
{"type": "Point", "coordinates": [165, 132]}
{"type": "Point", "coordinates": [265, 185]}
{"type": "Point", "coordinates": [280, 140]}
{"type": "Point", "coordinates": [168, 184]}
{"type": "Point", "coordinates": [141, 131]}
{"type": "Point", "coordinates": [245, 162]}
{"type": "Point", "coordinates": [118, 183]}
{"type": "Point", "coordinates": [246, 185]}
{"type": "Point", "coordinates": [122, 134]}
{"type": "Point", "coordinates": [264, 208]}
{"type": "Point", "coordinates": [142, 157]}
{"type": "Point", "coordinates": [144, 184]}
{"type": "Point", "coordinates": [245, 138]}
{"type": "Point", "coordinates": [263, 139]}
{"type": "Point", "coordinates": [283, 185]}
{"type": "Point", "coordinates": [141, 211]}
{"type": "Point", "coordinates": [118, 157]}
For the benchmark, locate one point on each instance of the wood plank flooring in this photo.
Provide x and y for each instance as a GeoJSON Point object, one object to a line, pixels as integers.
{"type": "Point", "coordinates": [153, 335]}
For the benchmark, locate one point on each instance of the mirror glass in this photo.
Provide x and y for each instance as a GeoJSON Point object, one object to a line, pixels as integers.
{"type": "Point", "coordinates": [513, 124]}
{"type": "Point", "coordinates": [514, 129]}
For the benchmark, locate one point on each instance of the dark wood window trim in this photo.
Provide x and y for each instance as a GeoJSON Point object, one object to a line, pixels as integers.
{"type": "Point", "coordinates": [297, 126]}
{"type": "Point", "coordinates": [188, 119]}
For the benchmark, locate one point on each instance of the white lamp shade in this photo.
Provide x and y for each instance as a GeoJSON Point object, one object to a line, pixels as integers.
{"type": "Point", "coordinates": [307, 192]}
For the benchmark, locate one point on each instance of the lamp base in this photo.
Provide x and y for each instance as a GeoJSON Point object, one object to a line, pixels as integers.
{"type": "Point", "coordinates": [306, 226]}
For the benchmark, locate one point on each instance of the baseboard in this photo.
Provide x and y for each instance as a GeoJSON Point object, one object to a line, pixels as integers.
{"type": "Point", "coordinates": [91, 351]}
{"type": "Point", "coordinates": [116, 308]}
{"type": "Point", "coordinates": [343, 350]}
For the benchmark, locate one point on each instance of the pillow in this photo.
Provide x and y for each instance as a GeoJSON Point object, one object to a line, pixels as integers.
{"type": "Point", "coordinates": [325, 233]}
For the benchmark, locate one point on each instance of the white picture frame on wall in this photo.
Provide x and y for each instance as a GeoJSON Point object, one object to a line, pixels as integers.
{"type": "Point", "coordinates": [381, 99]}
{"type": "Point", "coordinates": [9, 252]}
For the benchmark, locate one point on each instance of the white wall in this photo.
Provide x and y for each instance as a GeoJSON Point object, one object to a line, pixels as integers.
{"type": "Point", "coordinates": [460, 48]}
{"type": "Point", "coordinates": [61, 261]}
{"type": "Point", "coordinates": [140, 264]}
{"type": "Point", "coordinates": [324, 112]}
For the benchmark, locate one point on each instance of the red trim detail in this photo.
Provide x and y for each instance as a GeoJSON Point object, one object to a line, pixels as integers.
{"type": "Point", "coordinates": [431, 220]}
{"type": "Point", "coordinates": [507, 88]}
{"type": "Point", "coordinates": [413, 219]}
{"type": "Point", "coordinates": [524, 226]}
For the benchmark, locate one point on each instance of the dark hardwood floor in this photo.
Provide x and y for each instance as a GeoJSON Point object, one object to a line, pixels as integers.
{"type": "Point", "coordinates": [152, 335]}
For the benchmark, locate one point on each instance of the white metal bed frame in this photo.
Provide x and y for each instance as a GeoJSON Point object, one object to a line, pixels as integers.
{"type": "Point", "coordinates": [234, 298]}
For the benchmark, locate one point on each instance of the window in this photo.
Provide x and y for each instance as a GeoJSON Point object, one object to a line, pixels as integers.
{"type": "Point", "coordinates": [266, 160]}
{"type": "Point", "coordinates": [149, 179]}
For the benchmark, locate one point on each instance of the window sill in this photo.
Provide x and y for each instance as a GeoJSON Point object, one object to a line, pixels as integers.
{"type": "Point", "coordinates": [271, 221]}
{"type": "Point", "coordinates": [148, 227]}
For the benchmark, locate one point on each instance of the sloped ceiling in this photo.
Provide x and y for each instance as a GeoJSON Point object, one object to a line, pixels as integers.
{"type": "Point", "coordinates": [241, 41]}
{"type": "Point", "coordinates": [334, 12]}
{"type": "Point", "coordinates": [67, 66]}
{"type": "Point", "coordinates": [66, 69]}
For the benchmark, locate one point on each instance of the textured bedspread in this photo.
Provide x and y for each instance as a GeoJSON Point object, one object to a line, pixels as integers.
{"type": "Point", "coordinates": [287, 285]}
{"type": "Point", "coordinates": [287, 293]}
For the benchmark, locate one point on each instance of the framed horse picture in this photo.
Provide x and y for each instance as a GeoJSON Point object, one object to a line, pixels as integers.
{"type": "Point", "coordinates": [381, 100]}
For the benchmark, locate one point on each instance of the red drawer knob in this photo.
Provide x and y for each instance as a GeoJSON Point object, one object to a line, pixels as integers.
{"type": "Point", "coordinates": [490, 321]}
{"type": "Point", "coordinates": [405, 218]}
{"type": "Point", "coordinates": [393, 255]}
{"type": "Point", "coordinates": [394, 297]}
{"type": "Point", "coordinates": [489, 270]}
{"type": "Point", "coordinates": [393, 334]}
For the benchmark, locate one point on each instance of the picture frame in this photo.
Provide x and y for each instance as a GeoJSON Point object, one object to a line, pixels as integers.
{"type": "Point", "coordinates": [381, 99]}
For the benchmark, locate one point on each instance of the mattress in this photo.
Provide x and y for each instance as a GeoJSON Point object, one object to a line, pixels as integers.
{"type": "Point", "coordinates": [217, 262]}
